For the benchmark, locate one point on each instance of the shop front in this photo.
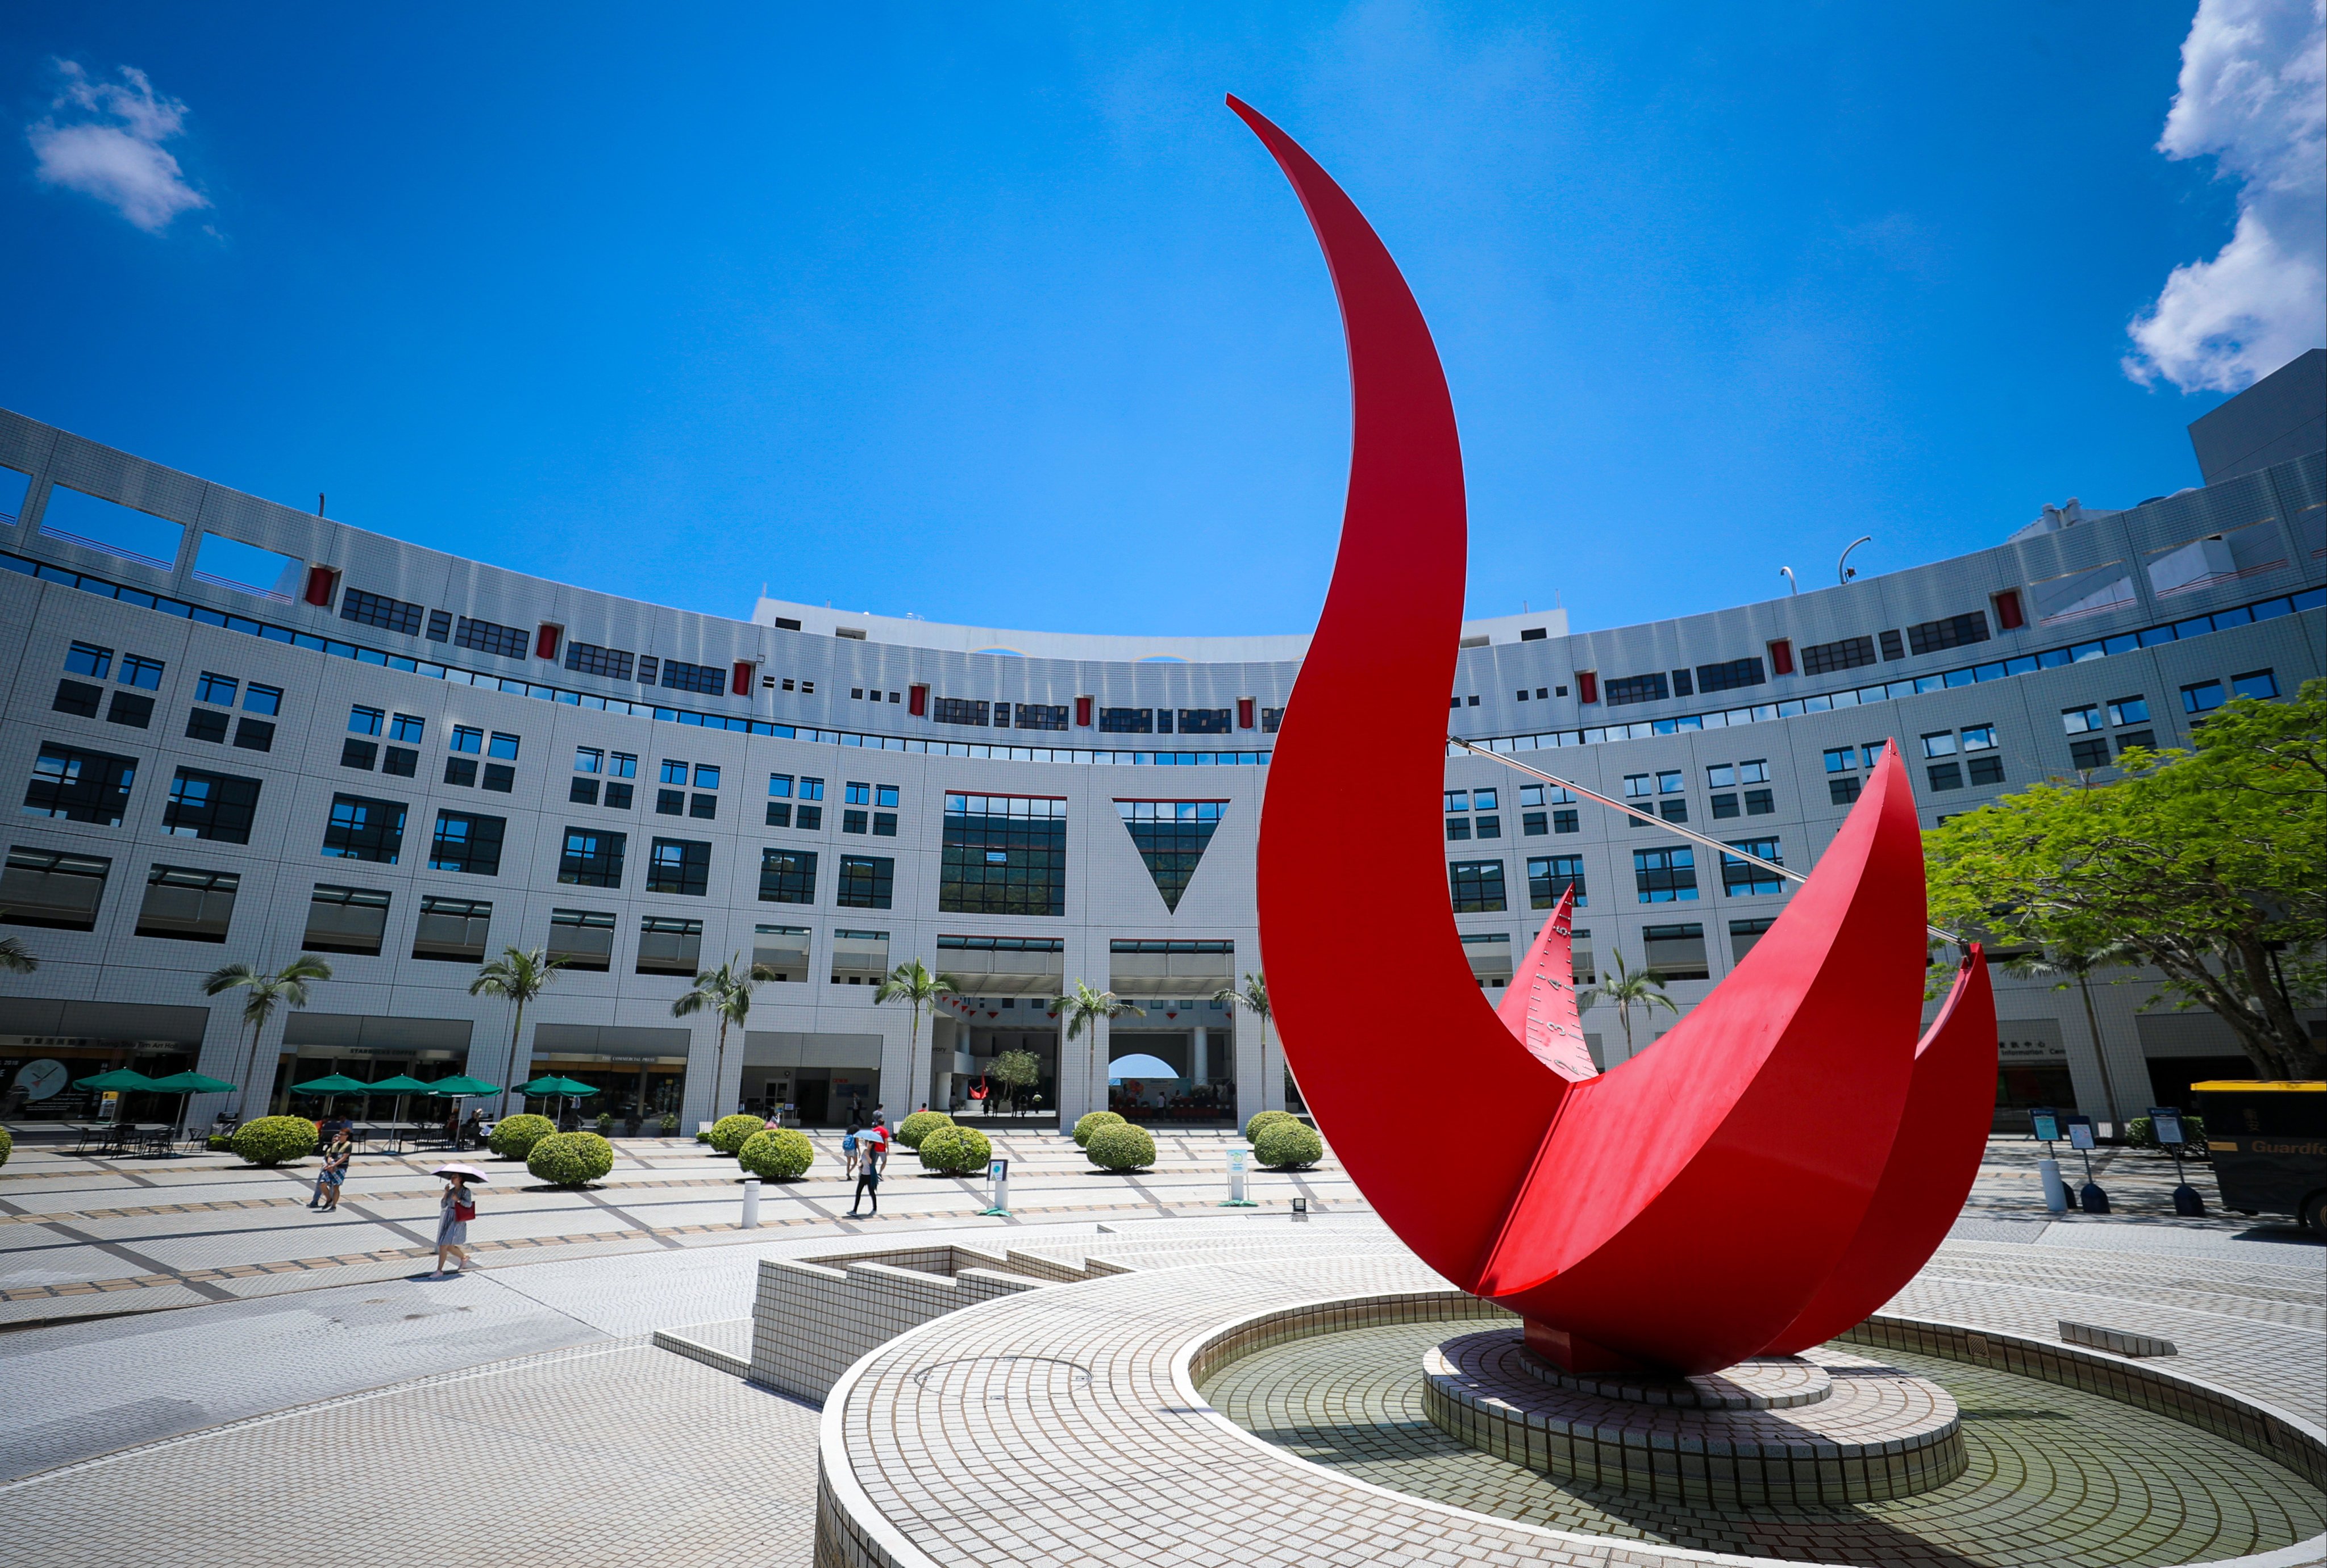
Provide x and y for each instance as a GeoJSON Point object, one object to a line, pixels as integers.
{"type": "Point", "coordinates": [825, 1079]}
{"type": "Point", "coordinates": [2032, 1069]}
{"type": "Point", "coordinates": [369, 1049]}
{"type": "Point", "coordinates": [48, 1046]}
{"type": "Point", "coordinates": [640, 1074]}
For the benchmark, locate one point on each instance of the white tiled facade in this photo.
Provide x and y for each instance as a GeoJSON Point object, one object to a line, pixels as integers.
{"type": "Point", "coordinates": [2272, 519]}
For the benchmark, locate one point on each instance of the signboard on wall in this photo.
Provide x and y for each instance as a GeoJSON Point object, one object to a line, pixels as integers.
{"type": "Point", "coordinates": [2029, 1042]}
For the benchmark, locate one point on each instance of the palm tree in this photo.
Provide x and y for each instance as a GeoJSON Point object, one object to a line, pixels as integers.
{"type": "Point", "coordinates": [2036, 963]}
{"type": "Point", "coordinates": [519, 976]}
{"type": "Point", "coordinates": [16, 958]}
{"type": "Point", "coordinates": [1083, 1008]}
{"type": "Point", "coordinates": [912, 983]}
{"type": "Point", "coordinates": [1630, 988]}
{"type": "Point", "coordinates": [1253, 999]}
{"type": "Point", "coordinates": [287, 986]}
{"type": "Point", "coordinates": [725, 993]}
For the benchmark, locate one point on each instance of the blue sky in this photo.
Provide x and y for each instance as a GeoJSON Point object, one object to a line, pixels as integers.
{"type": "Point", "coordinates": [1007, 319]}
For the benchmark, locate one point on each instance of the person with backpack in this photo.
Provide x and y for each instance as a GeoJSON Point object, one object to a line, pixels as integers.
{"type": "Point", "coordinates": [848, 1151]}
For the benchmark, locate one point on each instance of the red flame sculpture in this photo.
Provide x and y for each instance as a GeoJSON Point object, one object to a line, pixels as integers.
{"type": "Point", "coordinates": [1777, 1165]}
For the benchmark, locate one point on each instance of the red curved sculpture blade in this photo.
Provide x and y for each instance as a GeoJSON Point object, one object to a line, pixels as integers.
{"type": "Point", "coordinates": [1741, 1150]}
{"type": "Point", "coordinates": [1683, 1208]}
{"type": "Point", "coordinates": [1380, 665]}
{"type": "Point", "coordinates": [1539, 1006]}
{"type": "Point", "coordinates": [1934, 1160]}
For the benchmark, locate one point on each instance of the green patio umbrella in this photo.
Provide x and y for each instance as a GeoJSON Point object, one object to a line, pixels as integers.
{"type": "Point", "coordinates": [563, 1087]}
{"type": "Point", "coordinates": [188, 1084]}
{"type": "Point", "coordinates": [454, 1088]}
{"type": "Point", "coordinates": [194, 1083]}
{"type": "Point", "coordinates": [119, 1080]}
{"type": "Point", "coordinates": [401, 1085]}
{"type": "Point", "coordinates": [329, 1086]}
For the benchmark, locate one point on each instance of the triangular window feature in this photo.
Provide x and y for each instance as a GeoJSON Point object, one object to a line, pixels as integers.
{"type": "Point", "coordinates": [1170, 836]}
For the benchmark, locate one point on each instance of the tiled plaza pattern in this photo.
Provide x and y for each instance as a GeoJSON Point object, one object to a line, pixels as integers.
{"type": "Point", "coordinates": [2055, 1476]}
{"type": "Point", "coordinates": [89, 1236]}
{"type": "Point", "coordinates": [1861, 1429]}
{"type": "Point", "coordinates": [612, 1455]}
{"type": "Point", "coordinates": [1059, 1426]}
{"type": "Point", "coordinates": [262, 1397]}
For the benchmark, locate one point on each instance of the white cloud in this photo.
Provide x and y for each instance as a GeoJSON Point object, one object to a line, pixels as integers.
{"type": "Point", "coordinates": [104, 139]}
{"type": "Point", "coordinates": [2253, 96]}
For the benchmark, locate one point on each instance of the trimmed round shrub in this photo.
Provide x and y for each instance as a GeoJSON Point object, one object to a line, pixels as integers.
{"type": "Point", "coordinates": [1092, 1123]}
{"type": "Point", "coordinates": [729, 1134]}
{"type": "Point", "coordinates": [7, 1144]}
{"type": "Point", "coordinates": [2142, 1134]}
{"type": "Point", "coordinates": [1122, 1147]}
{"type": "Point", "coordinates": [703, 1136]}
{"type": "Point", "coordinates": [956, 1151]}
{"type": "Point", "coordinates": [919, 1125]}
{"type": "Point", "coordinates": [1264, 1120]}
{"type": "Point", "coordinates": [1288, 1147]}
{"type": "Point", "coordinates": [778, 1153]}
{"type": "Point", "coordinates": [272, 1140]}
{"type": "Point", "coordinates": [220, 1142]}
{"type": "Point", "coordinates": [570, 1159]}
{"type": "Point", "coordinates": [669, 1123]}
{"type": "Point", "coordinates": [605, 1123]}
{"type": "Point", "coordinates": [514, 1136]}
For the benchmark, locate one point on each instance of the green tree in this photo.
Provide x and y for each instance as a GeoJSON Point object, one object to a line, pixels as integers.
{"type": "Point", "coordinates": [725, 992]}
{"type": "Point", "coordinates": [1017, 1071]}
{"type": "Point", "coordinates": [2209, 866]}
{"type": "Point", "coordinates": [1083, 1010]}
{"type": "Point", "coordinates": [286, 987]}
{"type": "Point", "coordinates": [1254, 999]}
{"type": "Point", "coordinates": [16, 958]}
{"type": "Point", "coordinates": [912, 983]}
{"type": "Point", "coordinates": [516, 976]}
{"type": "Point", "coordinates": [1629, 988]}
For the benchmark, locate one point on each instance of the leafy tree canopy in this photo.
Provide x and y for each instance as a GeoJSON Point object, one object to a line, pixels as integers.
{"type": "Point", "coordinates": [2205, 865]}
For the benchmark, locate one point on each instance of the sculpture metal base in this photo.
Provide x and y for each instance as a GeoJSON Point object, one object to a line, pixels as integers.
{"type": "Point", "coordinates": [1814, 1431]}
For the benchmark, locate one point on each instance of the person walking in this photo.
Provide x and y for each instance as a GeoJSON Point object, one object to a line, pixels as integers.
{"type": "Point", "coordinates": [458, 1207]}
{"type": "Point", "coordinates": [848, 1142]}
{"type": "Point", "coordinates": [336, 1160]}
{"type": "Point", "coordinates": [868, 1175]}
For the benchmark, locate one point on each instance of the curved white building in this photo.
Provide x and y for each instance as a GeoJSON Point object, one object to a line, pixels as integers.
{"type": "Point", "coordinates": [242, 731]}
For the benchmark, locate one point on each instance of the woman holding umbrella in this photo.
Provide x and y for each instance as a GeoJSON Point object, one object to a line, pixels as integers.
{"type": "Point", "coordinates": [458, 1207]}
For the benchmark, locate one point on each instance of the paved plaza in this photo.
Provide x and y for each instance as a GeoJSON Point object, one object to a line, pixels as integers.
{"type": "Point", "coordinates": [277, 1386]}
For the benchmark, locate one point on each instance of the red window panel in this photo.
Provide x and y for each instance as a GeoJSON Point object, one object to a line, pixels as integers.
{"type": "Point", "coordinates": [544, 642]}
{"type": "Point", "coordinates": [1781, 657]}
{"type": "Point", "coordinates": [740, 683]}
{"type": "Point", "coordinates": [2008, 610]}
{"type": "Point", "coordinates": [1244, 713]}
{"type": "Point", "coordinates": [1082, 713]}
{"type": "Point", "coordinates": [1587, 686]}
{"type": "Point", "coordinates": [322, 581]}
{"type": "Point", "coordinates": [919, 706]}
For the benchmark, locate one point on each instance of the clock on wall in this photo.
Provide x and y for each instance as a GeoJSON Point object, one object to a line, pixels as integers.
{"type": "Point", "coordinates": [40, 1080]}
